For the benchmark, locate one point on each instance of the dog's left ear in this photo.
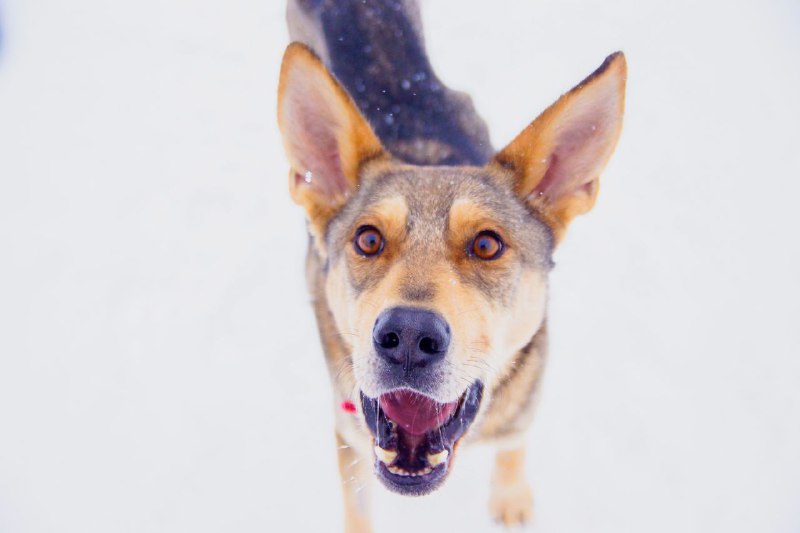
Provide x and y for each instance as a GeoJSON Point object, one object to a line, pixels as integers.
{"type": "Point", "coordinates": [556, 161]}
{"type": "Point", "coordinates": [326, 139]}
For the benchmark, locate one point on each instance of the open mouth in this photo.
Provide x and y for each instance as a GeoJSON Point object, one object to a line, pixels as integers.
{"type": "Point", "coordinates": [415, 436]}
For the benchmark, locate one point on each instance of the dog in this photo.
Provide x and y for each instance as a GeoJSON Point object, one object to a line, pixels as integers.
{"type": "Point", "coordinates": [429, 252]}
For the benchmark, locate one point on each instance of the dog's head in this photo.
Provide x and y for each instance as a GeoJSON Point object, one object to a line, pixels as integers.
{"type": "Point", "coordinates": [436, 276]}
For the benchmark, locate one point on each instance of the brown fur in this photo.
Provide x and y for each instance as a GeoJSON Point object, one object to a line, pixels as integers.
{"type": "Point", "coordinates": [428, 214]}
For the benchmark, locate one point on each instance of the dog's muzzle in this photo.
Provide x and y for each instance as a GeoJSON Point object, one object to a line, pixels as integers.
{"type": "Point", "coordinates": [415, 435]}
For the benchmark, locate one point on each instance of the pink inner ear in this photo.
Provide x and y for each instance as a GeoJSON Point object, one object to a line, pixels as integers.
{"type": "Point", "coordinates": [549, 182]}
{"type": "Point", "coordinates": [565, 164]}
{"type": "Point", "coordinates": [584, 141]}
{"type": "Point", "coordinates": [311, 130]}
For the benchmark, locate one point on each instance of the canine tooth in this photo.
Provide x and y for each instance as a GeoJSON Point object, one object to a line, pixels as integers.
{"type": "Point", "coordinates": [435, 459]}
{"type": "Point", "coordinates": [385, 456]}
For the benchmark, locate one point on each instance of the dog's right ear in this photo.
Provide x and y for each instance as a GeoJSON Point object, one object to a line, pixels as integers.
{"type": "Point", "coordinates": [326, 139]}
{"type": "Point", "coordinates": [556, 161]}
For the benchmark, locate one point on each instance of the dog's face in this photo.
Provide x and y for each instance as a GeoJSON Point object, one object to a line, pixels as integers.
{"type": "Point", "coordinates": [436, 276]}
{"type": "Point", "coordinates": [430, 271]}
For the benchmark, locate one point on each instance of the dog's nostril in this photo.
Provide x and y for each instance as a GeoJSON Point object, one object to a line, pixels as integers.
{"type": "Point", "coordinates": [428, 346]}
{"type": "Point", "coordinates": [390, 340]}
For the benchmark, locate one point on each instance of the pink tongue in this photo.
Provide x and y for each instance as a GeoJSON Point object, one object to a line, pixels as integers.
{"type": "Point", "coordinates": [415, 413]}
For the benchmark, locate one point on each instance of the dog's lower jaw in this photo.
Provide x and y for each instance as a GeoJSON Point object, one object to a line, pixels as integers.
{"type": "Point", "coordinates": [415, 436]}
{"type": "Point", "coordinates": [510, 502]}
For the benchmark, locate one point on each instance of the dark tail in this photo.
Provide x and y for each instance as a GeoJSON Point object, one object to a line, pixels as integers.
{"type": "Point", "coordinates": [376, 50]}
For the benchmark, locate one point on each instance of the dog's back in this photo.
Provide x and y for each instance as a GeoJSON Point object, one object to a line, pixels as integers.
{"type": "Point", "coordinates": [376, 50]}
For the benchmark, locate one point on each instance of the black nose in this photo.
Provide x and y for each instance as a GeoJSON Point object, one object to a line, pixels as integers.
{"type": "Point", "coordinates": [410, 337]}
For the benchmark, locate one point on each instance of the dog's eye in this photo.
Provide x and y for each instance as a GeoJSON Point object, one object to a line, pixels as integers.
{"type": "Point", "coordinates": [368, 241]}
{"type": "Point", "coordinates": [487, 245]}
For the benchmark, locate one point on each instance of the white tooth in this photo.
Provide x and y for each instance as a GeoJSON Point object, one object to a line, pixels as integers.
{"type": "Point", "coordinates": [386, 456]}
{"type": "Point", "coordinates": [435, 459]}
{"type": "Point", "coordinates": [397, 471]}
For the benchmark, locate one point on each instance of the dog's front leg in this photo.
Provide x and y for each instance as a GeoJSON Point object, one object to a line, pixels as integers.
{"type": "Point", "coordinates": [511, 500]}
{"type": "Point", "coordinates": [355, 472]}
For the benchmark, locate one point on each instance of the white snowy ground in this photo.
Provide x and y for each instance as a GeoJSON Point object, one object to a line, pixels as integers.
{"type": "Point", "coordinates": [159, 367]}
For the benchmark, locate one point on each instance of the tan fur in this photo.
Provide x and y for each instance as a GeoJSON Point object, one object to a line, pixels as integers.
{"type": "Point", "coordinates": [514, 392]}
{"type": "Point", "coordinates": [356, 477]}
{"type": "Point", "coordinates": [511, 499]}
{"type": "Point", "coordinates": [432, 152]}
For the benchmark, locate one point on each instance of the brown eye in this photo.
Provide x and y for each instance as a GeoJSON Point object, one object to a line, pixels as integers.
{"type": "Point", "coordinates": [487, 245]}
{"type": "Point", "coordinates": [368, 241]}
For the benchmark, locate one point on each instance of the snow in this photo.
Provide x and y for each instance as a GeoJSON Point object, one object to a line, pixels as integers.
{"type": "Point", "coordinates": [159, 366]}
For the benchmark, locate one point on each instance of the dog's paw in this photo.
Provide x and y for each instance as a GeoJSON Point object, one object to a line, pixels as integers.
{"type": "Point", "coordinates": [512, 505]}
